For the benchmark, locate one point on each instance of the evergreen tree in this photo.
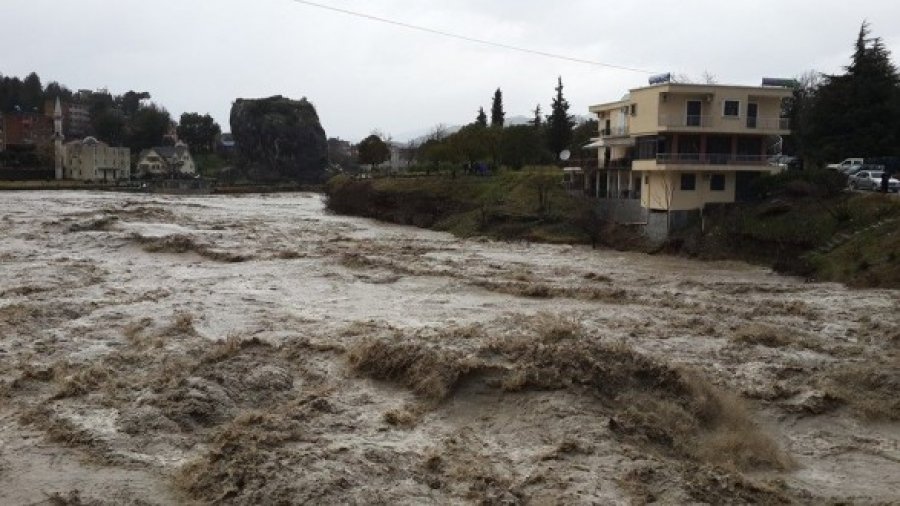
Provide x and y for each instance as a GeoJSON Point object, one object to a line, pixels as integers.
{"type": "Point", "coordinates": [482, 117]}
{"type": "Point", "coordinates": [32, 93]}
{"type": "Point", "coordinates": [559, 123]}
{"type": "Point", "coordinates": [538, 120]}
{"type": "Point", "coordinates": [856, 113]}
{"type": "Point", "coordinates": [498, 117]}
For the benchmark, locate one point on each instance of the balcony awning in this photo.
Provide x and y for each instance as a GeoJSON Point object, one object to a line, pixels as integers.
{"type": "Point", "coordinates": [608, 142]}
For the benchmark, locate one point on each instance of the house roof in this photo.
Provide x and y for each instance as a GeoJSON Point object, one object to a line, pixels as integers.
{"type": "Point", "coordinates": [168, 152]}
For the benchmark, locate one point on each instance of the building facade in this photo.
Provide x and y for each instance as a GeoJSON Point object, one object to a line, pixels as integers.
{"type": "Point", "coordinates": [677, 147]}
{"type": "Point", "coordinates": [166, 162]}
{"type": "Point", "coordinates": [92, 160]}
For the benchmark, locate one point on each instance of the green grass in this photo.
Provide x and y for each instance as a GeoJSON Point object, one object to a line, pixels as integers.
{"type": "Point", "coordinates": [870, 258]}
{"type": "Point", "coordinates": [792, 234]}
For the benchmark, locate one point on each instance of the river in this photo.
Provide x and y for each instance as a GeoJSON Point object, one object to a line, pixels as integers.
{"type": "Point", "coordinates": [111, 303]}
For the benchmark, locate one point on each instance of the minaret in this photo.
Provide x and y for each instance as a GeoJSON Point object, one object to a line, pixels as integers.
{"type": "Point", "coordinates": [58, 138]}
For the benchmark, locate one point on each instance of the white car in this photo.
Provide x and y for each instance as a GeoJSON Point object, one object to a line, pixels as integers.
{"type": "Point", "coordinates": [871, 180]}
{"type": "Point", "coordinates": [847, 165]}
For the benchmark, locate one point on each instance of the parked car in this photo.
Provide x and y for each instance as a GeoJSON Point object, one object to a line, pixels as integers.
{"type": "Point", "coordinates": [891, 163]}
{"type": "Point", "coordinates": [786, 162]}
{"type": "Point", "coordinates": [871, 180]}
{"type": "Point", "coordinates": [847, 164]}
{"type": "Point", "coordinates": [854, 172]}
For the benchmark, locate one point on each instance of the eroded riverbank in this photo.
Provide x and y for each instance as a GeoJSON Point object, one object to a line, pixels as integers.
{"type": "Point", "coordinates": [256, 348]}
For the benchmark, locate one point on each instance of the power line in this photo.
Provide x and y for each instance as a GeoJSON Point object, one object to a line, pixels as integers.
{"type": "Point", "coordinates": [470, 39]}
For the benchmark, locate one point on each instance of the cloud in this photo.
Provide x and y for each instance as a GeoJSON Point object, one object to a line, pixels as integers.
{"type": "Point", "coordinates": [200, 55]}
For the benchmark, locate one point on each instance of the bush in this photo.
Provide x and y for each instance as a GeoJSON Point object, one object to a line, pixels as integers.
{"type": "Point", "coordinates": [815, 182]}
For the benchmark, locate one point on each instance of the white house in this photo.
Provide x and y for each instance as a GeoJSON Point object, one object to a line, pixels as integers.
{"type": "Point", "coordinates": [165, 161]}
{"type": "Point", "coordinates": [92, 160]}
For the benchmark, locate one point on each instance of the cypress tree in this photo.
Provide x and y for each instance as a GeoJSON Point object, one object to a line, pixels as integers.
{"type": "Point", "coordinates": [482, 117]}
{"type": "Point", "coordinates": [559, 123]}
{"type": "Point", "coordinates": [498, 117]}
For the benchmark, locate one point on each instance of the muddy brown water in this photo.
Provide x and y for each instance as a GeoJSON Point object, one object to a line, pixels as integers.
{"type": "Point", "coordinates": [124, 379]}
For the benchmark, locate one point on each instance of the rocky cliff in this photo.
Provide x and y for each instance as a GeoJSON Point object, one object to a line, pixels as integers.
{"type": "Point", "coordinates": [279, 138]}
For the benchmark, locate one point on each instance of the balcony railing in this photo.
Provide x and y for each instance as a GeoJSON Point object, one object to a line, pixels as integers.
{"type": "Point", "coordinates": [681, 120]}
{"type": "Point", "coordinates": [711, 159]}
{"type": "Point", "coordinates": [617, 131]}
{"type": "Point", "coordinates": [706, 121]}
{"type": "Point", "coordinates": [769, 123]}
{"type": "Point", "coordinates": [619, 163]}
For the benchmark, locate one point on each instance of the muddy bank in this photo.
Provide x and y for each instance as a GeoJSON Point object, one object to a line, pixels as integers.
{"type": "Point", "coordinates": [253, 349]}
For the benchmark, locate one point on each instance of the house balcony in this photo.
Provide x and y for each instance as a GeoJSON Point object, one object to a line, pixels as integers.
{"type": "Point", "coordinates": [617, 131]}
{"type": "Point", "coordinates": [618, 164]}
{"type": "Point", "coordinates": [682, 122]}
{"type": "Point", "coordinates": [704, 162]}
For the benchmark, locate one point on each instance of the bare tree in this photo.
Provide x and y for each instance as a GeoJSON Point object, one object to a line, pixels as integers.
{"type": "Point", "coordinates": [708, 78]}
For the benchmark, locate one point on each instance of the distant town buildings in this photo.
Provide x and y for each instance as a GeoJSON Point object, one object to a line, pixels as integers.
{"type": "Point", "coordinates": [225, 144]}
{"type": "Point", "coordinates": [92, 160]}
{"type": "Point", "coordinates": [26, 130]}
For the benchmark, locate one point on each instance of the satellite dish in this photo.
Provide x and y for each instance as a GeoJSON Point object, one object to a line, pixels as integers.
{"type": "Point", "coordinates": [565, 154]}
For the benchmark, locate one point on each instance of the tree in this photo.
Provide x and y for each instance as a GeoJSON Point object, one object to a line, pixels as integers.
{"type": "Point", "coordinates": [55, 90]}
{"type": "Point", "coordinates": [471, 144]}
{"type": "Point", "coordinates": [10, 94]}
{"type": "Point", "coordinates": [32, 93]}
{"type": "Point", "coordinates": [538, 120]}
{"type": "Point", "coordinates": [130, 102]}
{"type": "Point", "coordinates": [373, 151]}
{"type": "Point", "coordinates": [481, 119]}
{"type": "Point", "coordinates": [199, 132]}
{"type": "Point", "coordinates": [559, 123]}
{"type": "Point", "coordinates": [521, 145]}
{"type": "Point", "coordinates": [856, 113]}
{"type": "Point", "coordinates": [797, 109]}
{"type": "Point", "coordinates": [109, 126]}
{"type": "Point", "coordinates": [582, 135]}
{"type": "Point", "coordinates": [543, 182]}
{"type": "Point", "coordinates": [435, 151]}
{"type": "Point", "coordinates": [498, 117]}
{"type": "Point", "coordinates": [147, 127]}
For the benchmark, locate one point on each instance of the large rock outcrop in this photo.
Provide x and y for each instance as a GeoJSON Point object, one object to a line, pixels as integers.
{"type": "Point", "coordinates": [279, 138]}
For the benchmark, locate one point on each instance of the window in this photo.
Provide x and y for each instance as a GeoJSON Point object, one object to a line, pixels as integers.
{"type": "Point", "coordinates": [731, 109]}
{"type": "Point", "coordinates": [646, 179]}
{"type": "Point", "coordinates": [717, 183]}
{"type": "Point", "coordinates": [688, 182]}
{"type": "Point", "coordinates": [634, 109]}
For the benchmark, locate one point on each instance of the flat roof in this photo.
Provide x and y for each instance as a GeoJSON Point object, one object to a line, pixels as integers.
{"type": "Point", "coordinates": [663, 87]}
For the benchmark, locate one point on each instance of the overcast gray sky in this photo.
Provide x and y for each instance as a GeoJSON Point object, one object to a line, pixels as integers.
{"type": "Point", "coordinates": [199, 55]}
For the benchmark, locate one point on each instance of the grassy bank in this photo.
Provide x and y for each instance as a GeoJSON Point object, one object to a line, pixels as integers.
{"type": "Point", "coordinates": [852, 238]}
{"type": "Point", "coordinates": [529, 205]}
{"type": "Point", "coordinates": [805, 227]}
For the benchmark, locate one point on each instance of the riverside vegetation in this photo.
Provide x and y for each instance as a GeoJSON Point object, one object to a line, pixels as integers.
{"type": "Point", "coordinates": [801, 223]}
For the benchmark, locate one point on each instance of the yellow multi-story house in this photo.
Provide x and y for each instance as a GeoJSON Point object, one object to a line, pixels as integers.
{"type": "Point", "coordinates": [677, 147]}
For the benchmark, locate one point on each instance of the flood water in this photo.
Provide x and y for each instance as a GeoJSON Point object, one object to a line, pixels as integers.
{"type": "Point", "coordinates": [107, 300]}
